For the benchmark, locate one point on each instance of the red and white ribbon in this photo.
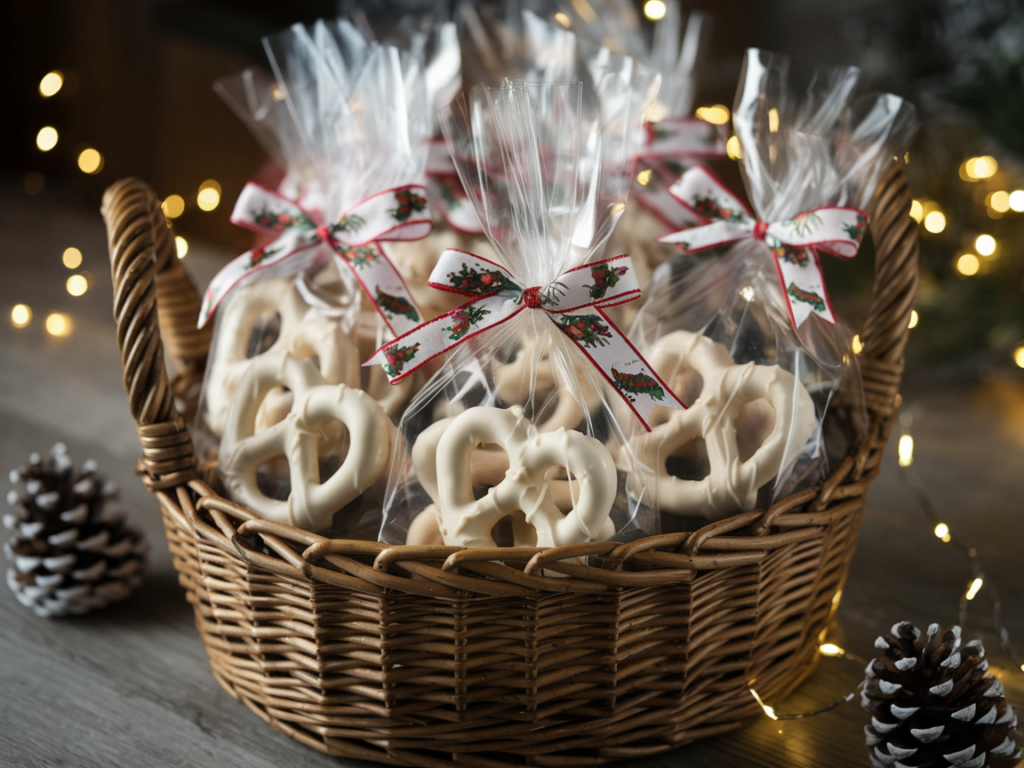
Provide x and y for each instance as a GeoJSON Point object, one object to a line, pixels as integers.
{"type": "Point", "coordinates": [669, 146]}
{"type": "Point", "coordinates": [794, 243]}
{"type": "Point", "coordinates": [395, 214]}
{"type": "Point", "coordinates": [446, 192]}
{"type": "Point", "coordinates": [574, 303]}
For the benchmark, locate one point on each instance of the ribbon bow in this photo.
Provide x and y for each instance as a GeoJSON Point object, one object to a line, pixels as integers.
{"type": "Point", "coordinates": [667, 147]}
{"type": "Point", "coordinates": [574, 303]}
{"type": "Point", "coordinates": [395, 214]}
{"type": "Point", "coordinates": [794, 243]}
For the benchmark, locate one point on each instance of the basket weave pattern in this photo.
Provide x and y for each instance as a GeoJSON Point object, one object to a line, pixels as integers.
{"type": "Point", "coordinates": [421, 655]}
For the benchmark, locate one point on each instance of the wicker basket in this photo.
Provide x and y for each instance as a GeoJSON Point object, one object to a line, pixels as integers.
{"type": "Point", "coordinates": [423, 655]}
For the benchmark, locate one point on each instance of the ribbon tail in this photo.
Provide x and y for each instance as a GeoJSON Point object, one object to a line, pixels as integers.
{"type": "Point", "coordinates": [803, 284]}
{"type": "Point", "coordinates": [447, 195]}
{"type": "Point", "coordinates": [291, 242]}
{"type": "Point", "coordinates": [410, 351]}
{"type": "Point", "coordinates": [383, 284]}
{"type": "Point", "coordinates": [625, 369]}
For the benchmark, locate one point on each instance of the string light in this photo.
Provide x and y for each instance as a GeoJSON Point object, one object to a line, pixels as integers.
{"type": "Point", "coordinates": [830, 649]}
{"type": "Point", "coordinates": [77, 285]}
{"type": "Point", "coordinates": [733, 149]}
{"type": "Point", "coordinates": [773, 120]}
{"type": "Point", "coordinates": [21, 315]}
{"type": "Point", "coordinates": [916, 210]}
{"type": "Point", "coordinates": [181, 245]}
{"type": "Point", "coordinates": [209, 195]}
{"type": "Point", "coordinates": [999, 201]}
{"type": "Point", "coordinates": [905, 449]}
{"type": "Point", "coordinates": [654, 9]}
{"type": "Point", "coordinates": [644, 177]}
{"type": "Point", "coordinates": [173, 206]}
{"type": "Point", "coordinates": [972, 591]}
{"type": "Point", "coordinates": [968, 264]}
{"type": "Point", "coordinates": [51, 84]}
{"type": "Point", "coordinates": [977, 168]}
{"type": "Point", "coordinates": [935, 222]}
{"type": "Point", "coordinates": [563, 19]}
{"type": "Point", "coordinates": [1018, 356]}
{"type": "Point", "coordinates": [72, 258]}
{"type": "Point", "coordinates": [716, 114]}
{"type": "Point", "coordinates": [1016, 200]}
{"type": "Point", "coordinates": [90, 161]}
{"type": "Point", "coordinates": [942, 532]}
{"type": "Point", "coordinates": [985, 245]}
{"type": "Point", "coordinates": [914, 317]}
{"type": "Point", "coordinates": [767, 710]}
{"type": "Point", "coordinates": [857, 344]}
{"type": "Point", "coordinates": [58, 324]}
{"type": "Point", "coordinates": [47, 138]}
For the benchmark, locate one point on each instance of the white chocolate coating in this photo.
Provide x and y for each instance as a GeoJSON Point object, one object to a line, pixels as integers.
{"type": "Point", "coordinates": [303, 333]}
{"type": "Point", "coordinates": [729, 429]}
{"type": "Point", "coordinates": [312, 420]}
{"type": "Point", "coordinates": [446, 475]}
{"type": "Point", "coordinates": [524, 378]}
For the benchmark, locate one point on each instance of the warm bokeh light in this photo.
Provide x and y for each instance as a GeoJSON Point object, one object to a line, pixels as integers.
{"type": "Point", "coordinates": [77, 285]}
{"type": "Point", "coordinates": [968, 264]}
{"type": "Point", "coordinates": [942, 531]}
{"type": "Point", "coordinates": [72, 258]}
{"type": "Point", "coordinates": [905, 450]}
{"type": "Point", "coordinates": [914, 318]}
{"type": "Point", "coordinates": [563, 19]}
{"type": "Point", "coordinates": [90, 161]}
{"type": "Point", "coordinates": [654, 9]}
{"type": "Point", "coordinates": [773, 120]}
{"type": "Point", "coordinates": [983, 167]}
{"type": "Point", "coordinates": [47, 137]}
{"type": "Point", "coordinates": [733, 149]}
{"type": "Point", "coordinates": [830, 649]}
{"type": "Point", "coordinates": [1018, 356]}
{"type": "Point", "coordinates": [857, 344]}
{"type": "Point", "coordinates": [1017, 200]}
{"type": "Point", "coordinates": [643, 177]}
{"type": "Point", "coordinates": [173, 206]}
{"type": "Point", "coordinates": [716, 114]}
{"type": "Point", "coordinates": [209, 195]}
{"type": "Point", "coordinates": [58, 324]}
{"type": "Point", "coordinates": [916, 210]}
{"type": "Point", "coordinates": [34, 182]}
{"type": "Point", "coordinates": [935, 222]}
{"type": "Point", "coordinates": [747, 292]}
{"type": "Point", "coordinates": [975, 588]}
{"type": "Point", "coordinates": [999, 201]}
{"type": "Point", "coordinates": [181, 245]}
{"type": "Point", "coordinates": [51, 83]}
{"type": "Point", "coordinates": [985, 245]}
{"type": "Point", "coordinates": [21, 315]}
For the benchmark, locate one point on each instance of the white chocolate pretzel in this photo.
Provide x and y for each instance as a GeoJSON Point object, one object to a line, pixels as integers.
{"type": "Point", "coordinates": [526, 489]}
{"type": "Point", "coordinates": [302, 333]}
{"type": "Point", "coordinates": [731, 414]}
{"type": "Point", "coordinates": [316, 409]}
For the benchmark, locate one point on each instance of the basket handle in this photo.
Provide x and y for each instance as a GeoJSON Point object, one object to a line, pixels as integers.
{"type": "Point", "coordinates": [144, 266]}
{"type": "Point", "coordinates": [887, 326]}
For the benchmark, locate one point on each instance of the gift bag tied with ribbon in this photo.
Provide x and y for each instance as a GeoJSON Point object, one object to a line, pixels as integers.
{"type": "Point", "coordinates": [288, 311]}
{"type": "Point", "coordinates": [747, 334]}
{"type": "Point", "coordinates": [514, 440]}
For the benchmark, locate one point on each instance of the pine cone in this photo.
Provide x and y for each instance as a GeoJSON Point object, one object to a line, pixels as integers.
{"type": "Point", "coordinates": [933, 705]}
{"type": "Point", "coordinates": [71, 551]}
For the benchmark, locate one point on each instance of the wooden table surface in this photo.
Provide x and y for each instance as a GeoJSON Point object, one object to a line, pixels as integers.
{"type": "Point", "coordinates": [130, 686]}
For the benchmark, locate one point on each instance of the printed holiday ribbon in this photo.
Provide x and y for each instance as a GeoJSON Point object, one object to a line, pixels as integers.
{"type": "Point", "coordinates": [395, 214]}
{"type": "Point", "coordinates": [574, 303]}
{"type": "Point", "coordinates": [669, 146]}
{"type": "Point", "coordinates": [794, 243]}
{"type": "Point", "coordinates": [446, 190]}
